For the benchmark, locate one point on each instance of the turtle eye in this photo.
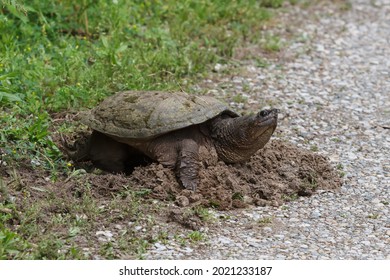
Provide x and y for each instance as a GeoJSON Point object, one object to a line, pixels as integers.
{"type": "Point", "coordinates": [264, 113]}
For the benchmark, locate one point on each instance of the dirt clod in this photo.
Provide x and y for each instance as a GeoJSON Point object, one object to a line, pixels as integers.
{"type": "Point", "coordinates": [186, 218]}
{"type": "Point", "coordinates": [182, 201]}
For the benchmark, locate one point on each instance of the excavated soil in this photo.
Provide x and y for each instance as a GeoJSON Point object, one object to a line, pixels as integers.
{"type": "Point", "coordinates": [279, 172]}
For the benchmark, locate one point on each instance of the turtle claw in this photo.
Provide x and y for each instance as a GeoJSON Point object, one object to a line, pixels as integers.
{"type": "Point", "coordinates": [189, 184]}
{"type": "Point", "coordinates": [65, 143]}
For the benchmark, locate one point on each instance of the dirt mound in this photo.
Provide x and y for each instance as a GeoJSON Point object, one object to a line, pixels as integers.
{"type": "Point", "coordinates": [279, 172]}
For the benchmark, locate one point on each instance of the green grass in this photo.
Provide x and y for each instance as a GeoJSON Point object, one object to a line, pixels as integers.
{"type": "Point", "coordinates": [272, 43]}
{"type": "Point", "coordinates": [11, 245]}
{"type": "Point", "coordinates": [196, 236]}
{"type": "Point", "coordinates": [60, 57]}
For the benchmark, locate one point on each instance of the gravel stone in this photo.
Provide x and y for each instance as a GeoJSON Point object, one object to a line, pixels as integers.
{"type": "Point", "coordinates": [104, 235]}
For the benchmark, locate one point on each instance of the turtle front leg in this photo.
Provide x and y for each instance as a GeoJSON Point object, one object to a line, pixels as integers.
{"type": "Point", "coordinates": [187, 164]}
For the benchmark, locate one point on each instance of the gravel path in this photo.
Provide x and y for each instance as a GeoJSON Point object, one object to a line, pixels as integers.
{"type": "Point", "coordinates": [333, 87]}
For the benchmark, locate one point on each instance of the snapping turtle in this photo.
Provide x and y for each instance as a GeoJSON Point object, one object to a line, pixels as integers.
{"type": "Point", "coordinates": [178, 130]}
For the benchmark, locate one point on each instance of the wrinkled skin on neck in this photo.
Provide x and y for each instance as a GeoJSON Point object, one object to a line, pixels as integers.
{"type": "Point", "coordinates": [237, 139]}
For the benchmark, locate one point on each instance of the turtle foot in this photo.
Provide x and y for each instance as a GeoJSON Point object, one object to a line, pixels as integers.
{"type": "Point", "coordinates": [187, 168]}
{"type": "Point", "coordinates": [189, 184]}
{"type": "Point", "coordinates": [78, 150]}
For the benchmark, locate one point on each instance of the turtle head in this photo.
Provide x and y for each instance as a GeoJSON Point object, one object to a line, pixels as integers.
{"type": "Point", "coordinates": [259, 127]}
{"type": "Point", "coordinates": [236, 139]}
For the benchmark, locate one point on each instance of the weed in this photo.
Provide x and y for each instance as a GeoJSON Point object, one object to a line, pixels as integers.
{"type": "Point", "coordinates": [224, 217]}
{"type": "Point", "coordinates": [203, 213]}
{"type": "Point", "coordinates": [196, 236]}
{"type": "Point", "coordinates": [141, 248]}
{"type": "Point", "coordinates": [314, 148]}
{"type": "Point", "coordinates": [163, 237]}
{"type": "Point", "coordinates": [76, 253]}
{"type": "Point", "coordinates": [291, 197]}
{"type": "Point", "coordinates": [310, 181]}
{"type": "Point", "coordinates": [272, 43]}
{"type": "Point", "coordinates": [7, 92]}
{"type": "Point", "coordinates": [50, 249]}
{"type": "Point", "coordinates": [12, 246]}
{"type": "Point", "coordinates": [344, 215]}
{"type": "Point", "coordinates": [142, 192]}
{"type": "Point", "coordinates": [181, 239]}
{"type": "Point", "coordinates": [73, 231]}
{"type": "Point", "coordinates": [373, 216]}
{"type": "Point", "coordinates": [107, 250]}
{"type": "Point", "coordinates": [246, 88]}
{"type": "Point", "coordinates": [345, 5]}
{"type": "Point", "coordinates": [239, 98]}
{"type": "Point", "coordinates": [261, 63]}
{"type": "Point", "coordinates": [264, 221]}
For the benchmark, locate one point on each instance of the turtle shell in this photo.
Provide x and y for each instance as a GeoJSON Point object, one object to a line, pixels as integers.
{"type": "Point", "coordinates": [147, 114]}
